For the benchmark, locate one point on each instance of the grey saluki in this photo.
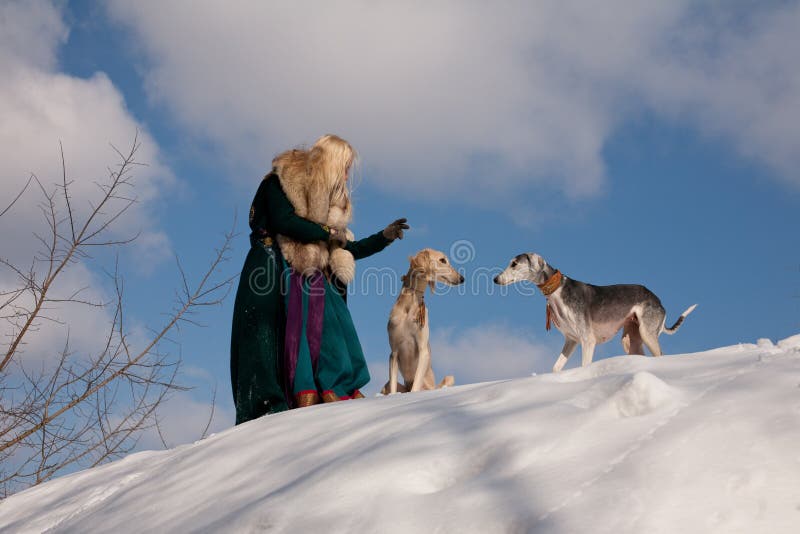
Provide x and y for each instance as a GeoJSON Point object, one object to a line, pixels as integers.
{"type": "Point", "coordinates": [589, 314]}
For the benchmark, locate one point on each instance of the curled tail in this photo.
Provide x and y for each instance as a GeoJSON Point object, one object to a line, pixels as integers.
{"type": "Point", "coordinates": [674, 328]}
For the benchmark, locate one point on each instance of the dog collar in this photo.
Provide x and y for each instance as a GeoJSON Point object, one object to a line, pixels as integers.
{"type": "Point", "coordinates": [550, 318]}
{"type": "Point", "coordinates": [551, 284]}
{"type": "Point", "coordinates": [420, 318]}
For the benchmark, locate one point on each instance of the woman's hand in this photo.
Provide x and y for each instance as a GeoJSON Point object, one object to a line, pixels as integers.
{"type": "Point", "coordinates": [337, 238]}
{"type": "Point", "coordinates": [395, 229]}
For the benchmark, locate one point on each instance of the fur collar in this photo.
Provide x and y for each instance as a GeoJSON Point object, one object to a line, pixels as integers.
{"type": "Point", "coordinates": [311, 195]}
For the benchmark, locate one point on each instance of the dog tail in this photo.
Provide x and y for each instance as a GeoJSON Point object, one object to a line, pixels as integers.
{"type": "Point", "coordinates": [679, 322]}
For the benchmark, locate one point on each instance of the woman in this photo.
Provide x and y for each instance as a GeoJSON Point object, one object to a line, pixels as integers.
{"type": "Point", "coordinates": [300, 260]}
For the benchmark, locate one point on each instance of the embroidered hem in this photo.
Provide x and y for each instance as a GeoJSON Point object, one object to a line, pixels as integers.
{"type": "Point", "coordinates": [306, 398]}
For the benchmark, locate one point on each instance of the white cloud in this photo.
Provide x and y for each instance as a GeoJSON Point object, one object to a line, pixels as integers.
{"type": "Point", "coordinates": [41, 107]}
{"type": "Point", "coordinates": [422, 89]}
{"type": "Point", "coordinates": [742, 82]}
{"type": "Point", "coordinates": [31, 33]}
{"type": "Point", "coordinates": [417, 92]}
{"type": "Point", "coordinates": [489, 352]}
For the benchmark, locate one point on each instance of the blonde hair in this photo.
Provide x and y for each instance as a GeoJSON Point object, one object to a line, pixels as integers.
{"type": "Point", "coordinates": [330, 158]}
{"type": "Point", "coordinates": [327, 161]}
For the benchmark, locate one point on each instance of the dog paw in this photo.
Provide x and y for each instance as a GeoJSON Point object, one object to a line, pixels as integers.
{"type": "Point", "coordinates": [447, 382]}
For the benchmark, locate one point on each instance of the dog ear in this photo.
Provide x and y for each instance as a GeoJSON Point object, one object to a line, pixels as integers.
{"type": "Point", "coordinates": [416, 262]}
{"type": "Point", "coordinates": [422, 260]}
{"type": "Point", "coordinates": [535, 261]}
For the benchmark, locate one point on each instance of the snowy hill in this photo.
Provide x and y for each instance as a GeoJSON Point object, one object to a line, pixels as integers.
{"type": "Point", "coordinates": [705, 442]}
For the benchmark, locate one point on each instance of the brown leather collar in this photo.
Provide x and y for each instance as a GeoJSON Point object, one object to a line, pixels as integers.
{"type": "Point", "coordinates": [551, 284]}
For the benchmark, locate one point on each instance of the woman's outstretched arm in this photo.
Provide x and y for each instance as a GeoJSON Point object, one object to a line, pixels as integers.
{"type": "Point", "coordinates": [368, 246]}
{"type": "Point", "coordinates": [377, 241]}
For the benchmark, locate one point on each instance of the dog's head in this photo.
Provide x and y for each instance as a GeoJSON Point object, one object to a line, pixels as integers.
{"type": "Point", "coordinates": [433, 266]}
{"type": "Point", "coordinates": [527, 266]}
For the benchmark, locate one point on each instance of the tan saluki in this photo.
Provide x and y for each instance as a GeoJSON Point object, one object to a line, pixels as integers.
{"type": "Point", "coordinates": [409, 335]}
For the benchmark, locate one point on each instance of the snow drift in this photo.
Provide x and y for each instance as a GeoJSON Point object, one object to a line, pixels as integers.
{"type": "Point", "coordinates": [704, 442]}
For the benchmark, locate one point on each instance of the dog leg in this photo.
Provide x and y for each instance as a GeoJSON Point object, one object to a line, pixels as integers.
{"type": "Point", "coordinates": [651, 341]}
{"type": "Point", "coordinates": [587, 352]}
{"type": "Point", "coordinates": [430, 380]}
{"type": "Point", "coordinates": [423, 363]}
{"type": "Point", "coordinates": [631, 340]}
{"type": "Point", "coordinates": [566, 351]}
{"type": "Point", "coordinates": [401, 388]}
{"type": "Point", "coordinates": [393, 365]}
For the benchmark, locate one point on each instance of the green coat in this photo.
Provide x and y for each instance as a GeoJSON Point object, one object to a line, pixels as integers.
{"type": "Point", "coordinates": [257, 332]}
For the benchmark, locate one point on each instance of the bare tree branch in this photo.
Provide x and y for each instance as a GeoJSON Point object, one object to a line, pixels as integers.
{"type": "Point", "coordinates": [84, 409]}
{"type": "Point", "coordinates": [213, 410]}
{"type": "Point", "coordinates": [16, 198]}
{"type": "Point", "coordinates": [65, 188]}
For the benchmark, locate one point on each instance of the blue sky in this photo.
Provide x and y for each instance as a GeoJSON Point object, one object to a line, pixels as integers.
{"type": "Point", "coordinates": [625, 143]}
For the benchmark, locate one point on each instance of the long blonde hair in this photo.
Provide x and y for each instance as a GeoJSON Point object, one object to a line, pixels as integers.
{"type": "Point", "coordinates": [330, 158]}
{"type": "Point", "coordinates": [327, 161]}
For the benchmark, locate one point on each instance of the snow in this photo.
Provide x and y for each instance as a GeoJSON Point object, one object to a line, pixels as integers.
{"type": "Point", "coordinates": [703, 442]}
